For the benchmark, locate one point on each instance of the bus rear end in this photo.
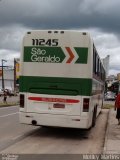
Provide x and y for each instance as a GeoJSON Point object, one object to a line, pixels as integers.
{"type": "Point", "coordinates": [55, 84]}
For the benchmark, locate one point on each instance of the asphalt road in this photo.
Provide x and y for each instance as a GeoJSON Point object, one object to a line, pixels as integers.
{"type": "Point", "coordinates": [10, 129]}
{"type": "Point", "coordinates": [51, 140]}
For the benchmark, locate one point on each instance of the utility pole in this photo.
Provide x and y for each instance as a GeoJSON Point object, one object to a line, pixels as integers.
{"type": "Point", "coordinates": [14, 76]}
{"type": "Point", "coordinates": [3, 86]}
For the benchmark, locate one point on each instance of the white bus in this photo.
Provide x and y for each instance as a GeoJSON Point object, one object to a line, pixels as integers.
{"type": "Point", "coordinates": [62, 79]}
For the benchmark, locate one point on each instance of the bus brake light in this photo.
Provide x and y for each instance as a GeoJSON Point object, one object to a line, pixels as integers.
{"type": "Point", "coordinates": [22, 99]}
{"type": "Point", "coordinates": [85, 104]}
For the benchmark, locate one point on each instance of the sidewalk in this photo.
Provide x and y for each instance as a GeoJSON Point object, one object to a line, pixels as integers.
{"type": "Point", "coordinates": [10, 100]}
{"type": "Point", "coordinates": [112, 140]}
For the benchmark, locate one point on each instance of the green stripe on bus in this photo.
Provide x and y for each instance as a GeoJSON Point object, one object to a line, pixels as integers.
{"type": "Point", "coordinates": [56, 85]}
{"type": "Point", "coordinates": [83, 55]}
{"type": "Point", "coordinates": [52, 54]}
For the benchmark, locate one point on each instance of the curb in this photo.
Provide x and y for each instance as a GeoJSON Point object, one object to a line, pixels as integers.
{"type": "Point", "coordinates": [106, 133]}
{"type": "Point", "coordinates": [8, 104]}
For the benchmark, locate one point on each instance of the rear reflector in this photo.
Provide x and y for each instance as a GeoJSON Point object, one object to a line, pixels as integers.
{"type": "Point", "coordinates": [85, 104]}
{"type": "Point", "coordinates": [22, 98]}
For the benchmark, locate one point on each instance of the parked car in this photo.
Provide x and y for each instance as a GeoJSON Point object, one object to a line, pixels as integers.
{"type": "Point", "coordinates": [110, 96]}
{"type": "Point", "coordinates": [9, 92]}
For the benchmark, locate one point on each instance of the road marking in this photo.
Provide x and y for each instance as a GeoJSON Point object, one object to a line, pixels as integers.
{"type": "Point", "coordinates": [8, 143]}
{"type": "Point", "coordinates": [9, 114]}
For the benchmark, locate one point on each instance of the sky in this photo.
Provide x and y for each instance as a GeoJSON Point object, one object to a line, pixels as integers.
{"type": "Point", "coordinates": [100, 18]}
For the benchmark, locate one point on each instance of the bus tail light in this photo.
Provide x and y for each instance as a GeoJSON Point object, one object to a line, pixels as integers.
{"type": "Point", "coordinates": [85, 104]}
{"type": "Point", "coordinates": [22, 99]}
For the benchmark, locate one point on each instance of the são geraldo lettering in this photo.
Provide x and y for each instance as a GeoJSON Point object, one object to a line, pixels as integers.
{"type": "Point", "coordinates": [39, 55]}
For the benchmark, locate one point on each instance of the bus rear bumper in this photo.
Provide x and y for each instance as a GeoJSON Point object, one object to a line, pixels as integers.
{"type": "Point", "coordinates": [54, 120]}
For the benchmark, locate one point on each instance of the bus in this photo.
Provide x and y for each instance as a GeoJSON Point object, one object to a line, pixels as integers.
{"type": "Point", "coordinates": [62, 79]}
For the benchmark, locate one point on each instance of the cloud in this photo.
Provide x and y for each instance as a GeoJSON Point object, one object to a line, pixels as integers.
{"type": "Point", "coordinates": [9, 56]}
{"type": "Point", "coordinates": [108, 44]}
{"type": "Point", "coordinates": [104, 7]}
{"type": "Point", "coordinates": [62, 14]}
{"type": "Point", "coordinates": [11, 37]}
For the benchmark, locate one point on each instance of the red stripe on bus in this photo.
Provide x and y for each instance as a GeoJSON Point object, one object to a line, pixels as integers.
{"type": "Point", "coordinates": [46, 99]}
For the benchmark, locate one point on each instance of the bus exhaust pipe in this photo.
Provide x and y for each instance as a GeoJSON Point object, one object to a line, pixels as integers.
{"type": "Point", "coordinates": [34, 123]}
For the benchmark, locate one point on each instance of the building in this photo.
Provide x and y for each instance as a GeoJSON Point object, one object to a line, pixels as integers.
{"type": "Point", "coordinates": [118, 76]}
{"type": "Point", "coordinates": [11, 76]}
{"type": "Point", "coordinates": [8, 75]}
{"type": "Point", "coordinates": [105, 62]}
{"type": "Point", "coordinates": [111, 79]}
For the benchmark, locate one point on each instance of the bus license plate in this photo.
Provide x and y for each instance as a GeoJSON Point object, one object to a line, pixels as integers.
{"type": "Point", "coordinates": [58, 105]}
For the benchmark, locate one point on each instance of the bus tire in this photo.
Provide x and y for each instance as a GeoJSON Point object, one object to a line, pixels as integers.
{"type": "Point", "coordinates": [94, 118]}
